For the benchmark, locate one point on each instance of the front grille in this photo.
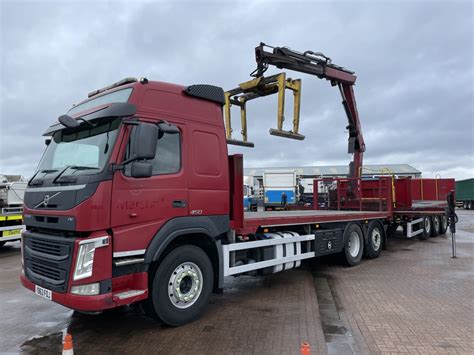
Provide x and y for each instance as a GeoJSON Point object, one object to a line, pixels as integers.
{"type": "Point", "coordinates": [47, 259]}
{"type": "Point", "coordinates": [46, 271]}
{"type": "Point", "coordinates": [46, 247]}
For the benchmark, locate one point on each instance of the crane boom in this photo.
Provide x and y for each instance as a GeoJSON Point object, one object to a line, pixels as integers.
{"type": "Point", "coordinates": [319, 65]}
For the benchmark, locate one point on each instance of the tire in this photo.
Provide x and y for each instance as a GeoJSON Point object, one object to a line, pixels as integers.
{"type": "Point", "coordinates": [469, 205]}
{"type": "Point", "coordinates": [464, 205]}
{"type": "Point", "coordinates": [443, 227]}
{"type": "Point", "coordinates": [427, 227]}
{"type": "Point", "coordinates": [2, 244]}
{"type": "Point", "coordinates": [375, 240]}
{"type": "Point", "coordinates": [184, 269]}
{"type": "Point", "coordinates": [435, 226]}
{"type": "Point", "coordinates": [353, 246]}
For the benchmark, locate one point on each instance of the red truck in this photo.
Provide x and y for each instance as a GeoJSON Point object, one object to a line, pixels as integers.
{"type": "Point", "coordinates": [136, 199]}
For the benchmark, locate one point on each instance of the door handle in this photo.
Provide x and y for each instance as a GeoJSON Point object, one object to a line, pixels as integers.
{"type": "Point", "coordinates": [179, 204]}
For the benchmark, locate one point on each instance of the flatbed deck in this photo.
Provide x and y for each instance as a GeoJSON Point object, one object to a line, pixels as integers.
{"type": "Point", "coordinates": [253, 220]}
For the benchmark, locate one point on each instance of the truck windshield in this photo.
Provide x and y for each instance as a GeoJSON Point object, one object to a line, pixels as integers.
{"type": "Point", "coordinates": [85, 150]}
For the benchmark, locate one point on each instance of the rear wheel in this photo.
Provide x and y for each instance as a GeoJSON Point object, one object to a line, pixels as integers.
{"type": "Point", "coordinates": [181, 286]}
{"type": "Point", "coordinates": [443, 227]}
{"type": "Point", "coordinates": [469, 205]}
{"type": "Point", "coordinates": [375, 237]}
{"type": "Point", "coordinates": [436, 226]}
{"type": "Point", "coordinates": [354, 245]}
{"type": "Point", "coordinates": [426, 226]}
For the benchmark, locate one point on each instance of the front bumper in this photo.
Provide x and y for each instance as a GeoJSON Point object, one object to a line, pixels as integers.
{"type": "Point", "coordinates": [98, 302]}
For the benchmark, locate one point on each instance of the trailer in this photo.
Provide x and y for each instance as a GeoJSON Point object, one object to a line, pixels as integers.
{"type": "Point", "coordinates": [12, 190]}
{"type": "Point", "coordinates": [465, 194]}
{"type": "Point", "coordinates": [137, 200]}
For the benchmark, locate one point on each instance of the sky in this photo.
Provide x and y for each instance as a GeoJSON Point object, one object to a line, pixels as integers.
{"type": "Point", "coordinates": [413, 59]}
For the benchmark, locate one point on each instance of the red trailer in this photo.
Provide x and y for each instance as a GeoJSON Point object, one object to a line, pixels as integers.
{"type": "Point", "coordinates": [137, 200]}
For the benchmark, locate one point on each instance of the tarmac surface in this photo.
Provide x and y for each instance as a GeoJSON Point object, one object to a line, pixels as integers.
{"type": "Point", "coordinates": [413, 299]}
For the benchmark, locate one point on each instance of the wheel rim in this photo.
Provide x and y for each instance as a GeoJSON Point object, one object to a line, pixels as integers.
{"type": "Point", "coordinates": [376, 238]}
{"type": "Point", "coordinates": [436, 223]}
{"type": "Point", "coordinates": [185, 285]}
{"type": "Point", "coordinates": [354, 244]}
{"type": "Point", "coordinates": [427, 225]}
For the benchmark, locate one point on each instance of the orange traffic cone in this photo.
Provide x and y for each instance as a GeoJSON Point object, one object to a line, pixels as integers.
{"type": "Point", "coordinates": [305, 349]}
{"type": "Point", "coordinates": [67, 345]}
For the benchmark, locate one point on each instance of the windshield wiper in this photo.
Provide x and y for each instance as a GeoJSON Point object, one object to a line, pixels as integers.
{"type": "Point", "coordinates": [40, 182]}
{"type": "Point", "coordinates": [74, 167]}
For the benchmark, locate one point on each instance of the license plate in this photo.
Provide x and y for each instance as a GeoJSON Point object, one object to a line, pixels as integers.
{"type": "Point", "coordinates": [40, 291]}
{"type": "Point", "coordinates": [11, 232]}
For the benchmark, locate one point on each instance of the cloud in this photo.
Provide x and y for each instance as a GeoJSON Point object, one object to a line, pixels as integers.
{"type": "Point", "coordinates": [414, 62]}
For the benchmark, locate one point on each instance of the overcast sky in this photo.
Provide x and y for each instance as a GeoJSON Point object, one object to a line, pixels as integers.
{"type": "Point", "coordinates": [413, 59]}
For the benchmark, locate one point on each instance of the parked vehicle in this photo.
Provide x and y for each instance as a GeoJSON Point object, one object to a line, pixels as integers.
{"type": "Point", "coordinates": [250, 201]}
{"type": "Point", "coordinates": [12, 190]}
{"type": "Point", "coordinates": [279, 189]}
{"type": "Point", "coordinates": [465, 194]}
{"type": "Point", "coordinates": [136, 198]}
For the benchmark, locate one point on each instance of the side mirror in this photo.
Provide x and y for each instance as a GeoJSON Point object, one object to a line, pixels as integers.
{"type": "Point", "coordinates": [140, 170]}
{"type": "Point", "coordinates": [47, 141]}
{"type": "Point", "coordinates": [143, 142]}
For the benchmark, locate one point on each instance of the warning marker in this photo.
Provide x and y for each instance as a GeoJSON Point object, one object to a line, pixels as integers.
{"type": "Point", "coordinates": [305, 349]}
{"type": "Point", "coordinates": [67, 345]}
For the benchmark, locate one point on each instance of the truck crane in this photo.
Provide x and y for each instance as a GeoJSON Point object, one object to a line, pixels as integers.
{"type": "Point", "coordinates": [308, 62]}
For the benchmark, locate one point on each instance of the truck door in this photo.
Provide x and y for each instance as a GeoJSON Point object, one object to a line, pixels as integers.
{"type": "Point", "coordinates": [141, 206]}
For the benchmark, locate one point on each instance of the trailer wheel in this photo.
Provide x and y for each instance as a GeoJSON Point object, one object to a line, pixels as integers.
{"type": "Point", "coordinates": [436, 226]}
{"type": "Point", "coordinates": [375, 238]}
{"type": "Point", "coordinates": [443, 226]}
{"type": "Point", "coordinates": [426, 226]}
{"type": "Point", "coordinates": [181, 286]}
{"type": "Point", "coordinates": [354, 245]}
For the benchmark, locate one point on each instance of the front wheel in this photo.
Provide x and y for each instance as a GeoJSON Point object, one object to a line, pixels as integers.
{"type": "Point", "coordinates": [354, 245]}
{"type": "Point", "coordinates": [181, 286]}
{"type": "Point", "coordinates": [373, 246]}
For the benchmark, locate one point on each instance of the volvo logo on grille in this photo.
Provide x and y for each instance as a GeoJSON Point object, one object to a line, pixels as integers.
{"type": "Point", "coordinates": [46, 200]}
{"type": "Point", "coordinates": [329, 245]}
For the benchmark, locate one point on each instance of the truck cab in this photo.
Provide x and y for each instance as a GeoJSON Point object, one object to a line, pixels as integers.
{"type": "Point", "coordinates": [125, 178]}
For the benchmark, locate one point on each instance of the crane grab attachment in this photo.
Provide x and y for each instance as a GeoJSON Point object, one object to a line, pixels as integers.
{"type": "Point", "coordinates": [260, 87]}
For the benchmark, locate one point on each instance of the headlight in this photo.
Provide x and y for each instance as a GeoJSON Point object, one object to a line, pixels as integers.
{"type": "Point", "coordinates": [86, 290]}
{"type": "Point", "coordinates": [85, 256]}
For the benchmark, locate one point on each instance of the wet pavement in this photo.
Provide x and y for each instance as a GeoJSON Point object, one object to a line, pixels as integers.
{"type": "Point", "coordinates": [414, 299]}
